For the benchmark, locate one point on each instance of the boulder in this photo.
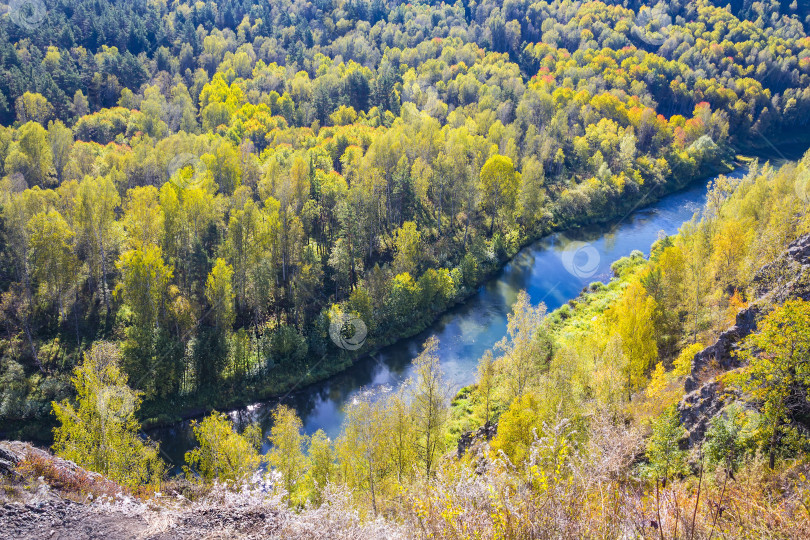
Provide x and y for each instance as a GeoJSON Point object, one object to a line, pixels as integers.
{"type": "Point", "coordinates": [8, 461]}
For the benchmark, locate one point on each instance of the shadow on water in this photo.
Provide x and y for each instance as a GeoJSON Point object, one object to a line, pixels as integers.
{"type": "Point", "coordinates": [553, 270]}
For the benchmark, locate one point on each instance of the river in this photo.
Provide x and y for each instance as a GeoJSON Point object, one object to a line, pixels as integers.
{"type": "Point", "coordinates": [552, 270]}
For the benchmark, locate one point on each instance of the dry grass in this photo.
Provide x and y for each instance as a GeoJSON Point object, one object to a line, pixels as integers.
{"type": "Point", "coordinates": [71, 481]}
{"type": "Point", "coordinates": [594, 492]}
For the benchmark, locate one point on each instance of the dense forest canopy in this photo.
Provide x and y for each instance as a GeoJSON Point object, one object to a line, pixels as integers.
{"type": "Point", "coordinates": [209, 185]}
{"type": "Point", "coordinates": [197, 198]}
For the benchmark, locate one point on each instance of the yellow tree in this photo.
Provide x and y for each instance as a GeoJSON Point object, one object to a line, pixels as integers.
{"type": "Point", "coordinates": [633, 319]}
{"type": "Point", "coordinates": [408, 248]}
{"type": "Point", "coordinates": [730, 243]}
{"type": "Point", "coordinates": [32, 157]}
{"type": "Point", "coordinates": [100, 432]}
{"type": "Point", "coordinates": [287, 454]}
{"type": "Point", "coordinates": [222, 453]}
{"type": "Point", "coordinates": [362, 449]}
{"type": "Point", "coordinates": [321, 465]}
{"type": "Point", "coordinates": [143, 217]}
{"type": "Point", "coordinates": [54, 265]}
{"type": "Point", "coordinates": [144, 282]}
{"type": "Point", "coordinates": [499, 185]}
{"type": "Point", "coordinates": [400, 427]}
{"type": "Point", "coordinates": [33, 107]}
{"type": "Point", "coordinates": [516, 428]}
{"type": "Point", "coordinates": [220, 295]}
{"type": "Point", "coordinates": [526, 347]}
{"type": "Point", "coordinates": [430, 407]}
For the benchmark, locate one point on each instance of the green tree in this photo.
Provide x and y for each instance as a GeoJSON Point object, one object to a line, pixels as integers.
{"type": "Point", "coordinates": [246, 243]}
{"type": "Point", "coordinates": [94, 215]}
{"type": "Point", "coordinates": [144, 281]}
{"type": "Point", "coordinates": [486, 381]}
{"type": "Point", "coordinates": [60, 138]}
{"type": "Point", "coordinates": [778, 369]}
{"type": "Point", "coordinates": [80, 106]}
{"type": "Point", "coordinates": [100, 432]}
{"type": "Point", "coordinates": [664, 455]}
{"type": "Point", "coordinates": [726, 439]}
{"type": "Point", "coordinates": [211, 343]}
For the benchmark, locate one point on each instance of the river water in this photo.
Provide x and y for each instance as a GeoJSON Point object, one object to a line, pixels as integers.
{"type": "Point", "coordinates": [553, 270]}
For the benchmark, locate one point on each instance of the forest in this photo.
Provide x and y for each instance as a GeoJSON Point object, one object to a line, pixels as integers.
{"type": "Point", "coordinates": [193, 193]}
{"type": "Point", "coordinates": [213, 185]}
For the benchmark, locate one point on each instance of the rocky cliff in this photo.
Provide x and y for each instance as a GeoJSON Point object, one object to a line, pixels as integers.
{"type": "Point", "coordinates": [787, 277]}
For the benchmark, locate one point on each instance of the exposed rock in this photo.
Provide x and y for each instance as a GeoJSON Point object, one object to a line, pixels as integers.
{"type": "Point", "coordinates": [8, 460]}
{"type": "Point", "coordinates": [36, 508]}
{"type": "Point", "coordinates": [61, 519]}
{"type": "Point", "coordinates": [787, 277]}
{"type": "Point", "coordinates": [470, 438]}
{"type": "Point", "coordinates": [720, 355]}
{"type": "Point", "coordinates": [699, 407]}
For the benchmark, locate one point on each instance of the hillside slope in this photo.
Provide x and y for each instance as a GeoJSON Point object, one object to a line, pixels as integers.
{"type": "Point", "coordinates": [43, 496]}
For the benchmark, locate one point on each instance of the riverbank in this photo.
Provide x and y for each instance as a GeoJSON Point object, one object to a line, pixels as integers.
{"type": "Point", "coordinates": [466, 331]}
{"type": "Point", "coordinates": [282, 383]}
{"type": "Point", "coordinates": [277, 385]}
